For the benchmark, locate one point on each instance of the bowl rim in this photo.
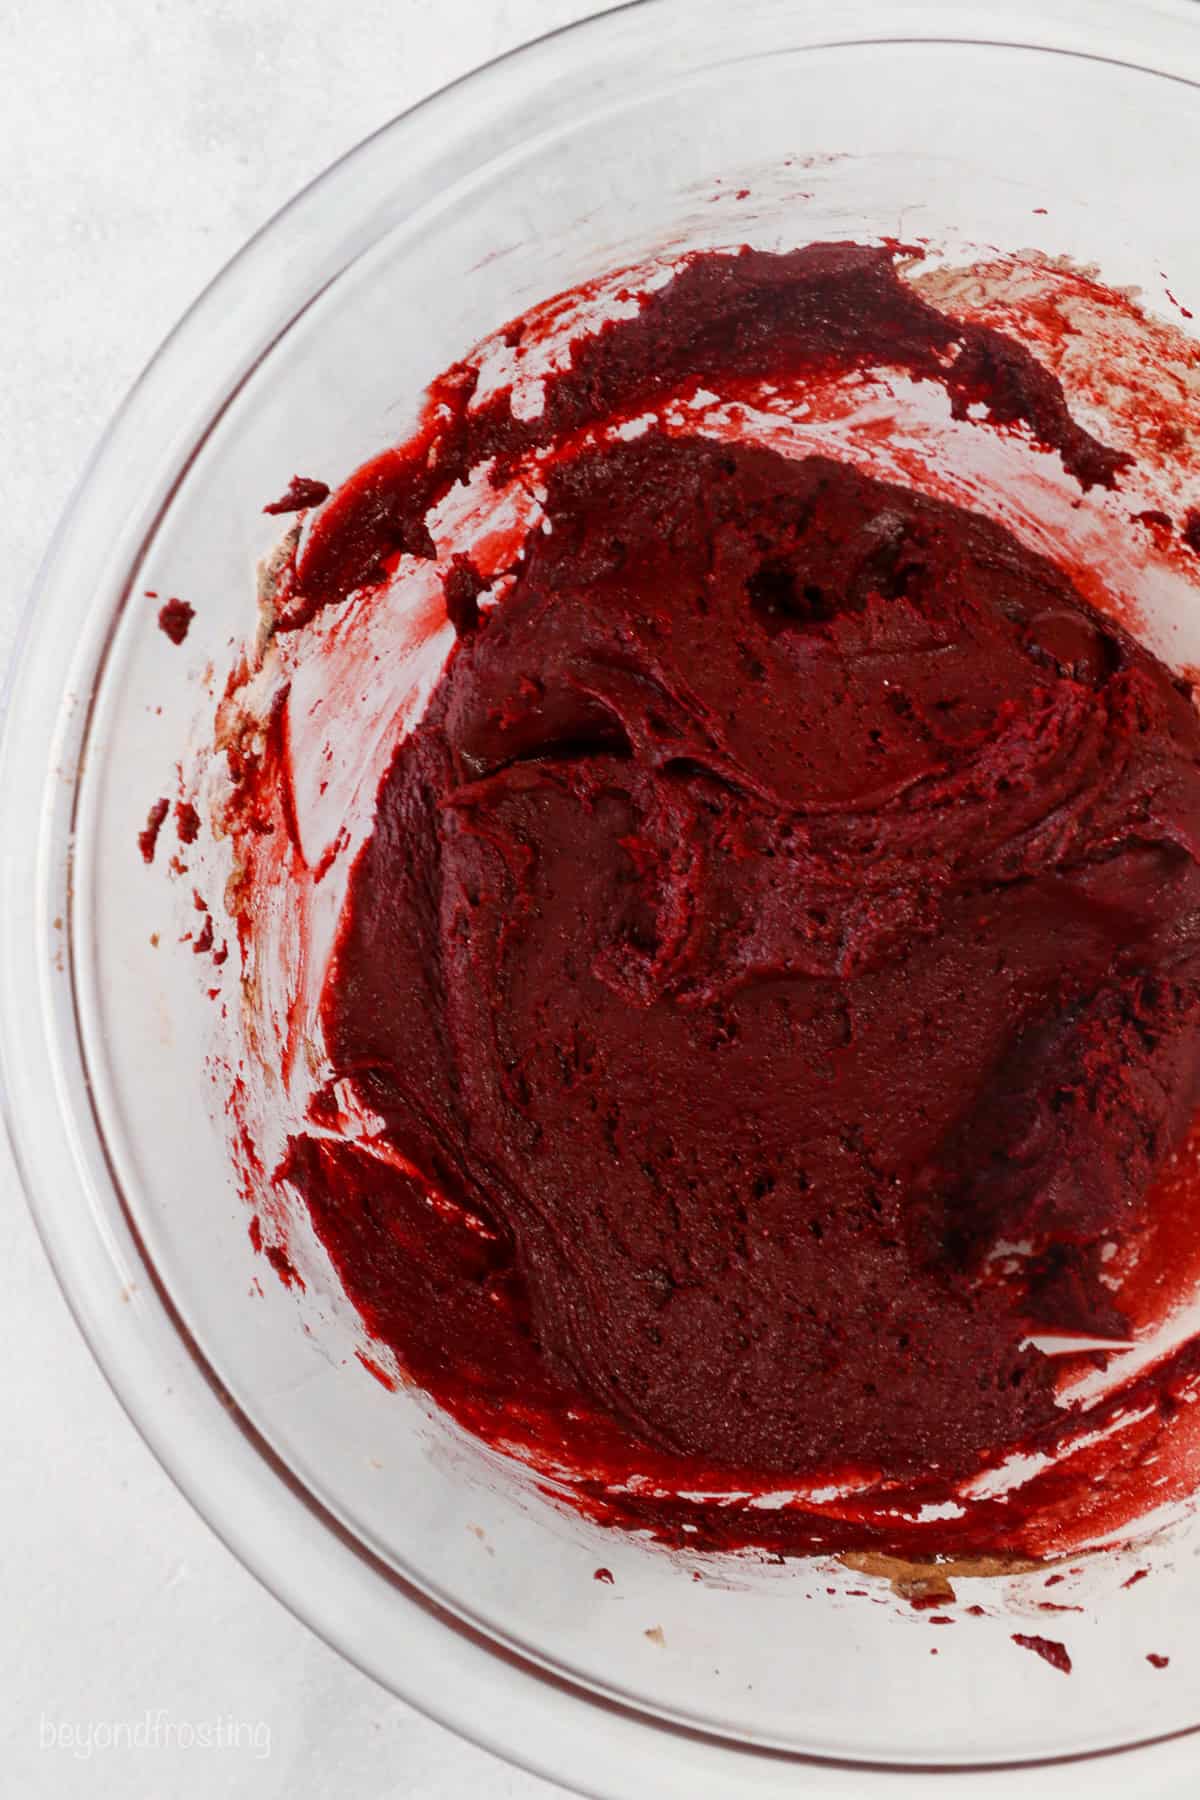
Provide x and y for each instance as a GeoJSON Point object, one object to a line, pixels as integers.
{"type": "Point", "coordinates": [531, 1716]}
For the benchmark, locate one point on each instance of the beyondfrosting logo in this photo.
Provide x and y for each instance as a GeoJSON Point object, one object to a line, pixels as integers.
{"type": "Point", "coordinates": [155, 1730]}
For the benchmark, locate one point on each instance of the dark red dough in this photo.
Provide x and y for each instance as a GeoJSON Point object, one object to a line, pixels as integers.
{"type": "Point", "coordinates": [821, 308]}
{"type": "Point", "coordinates": [148, 836]}
{"type": "Point", "coordinates": [1191, 530]}
{"type": "Point", "coordinates": [1049, 1649]}
{"type": "Point", "coordinates": [187, 822]}
{"type": "Point", "coordinates": [175, 618]}
{"type": "Point", "coordinates": [788, 896]}
{"type": "Point", "coordinates": [302, 492]}
{"type": "Point", "coordinates": [1156, 1661]}
{"type": "Point", "coordinates": [462, 585]}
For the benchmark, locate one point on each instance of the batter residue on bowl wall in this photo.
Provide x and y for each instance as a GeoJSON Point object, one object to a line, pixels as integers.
{"type": "Point", "coordinates": [717, 896]}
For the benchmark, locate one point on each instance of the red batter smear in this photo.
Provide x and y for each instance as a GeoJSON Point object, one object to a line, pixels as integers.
{"type": "Point", "coordinates": [925, 1602]}
{"type": "Point", "coordinates": [175, 618]}
{"type": "Point", "coordinates": [187, 822]}
{"type": "Point", "coordinates": [773, 974]}
{"type": "Point", "coordinates": [1049, 1649]}
{"type": "Point", "coordinates": [148, 836]}
{"type": "Point", "coordinates": [373, 1368]}
{"type": "Point", "coordinates": [283, 1266]}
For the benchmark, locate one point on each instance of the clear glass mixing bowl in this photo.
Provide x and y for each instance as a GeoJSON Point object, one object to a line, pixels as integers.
{"type": "Point", "coordinates": [421, 1556]}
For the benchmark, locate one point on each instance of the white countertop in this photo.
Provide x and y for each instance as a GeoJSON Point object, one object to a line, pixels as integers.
{"type": "Point", "coordinates": [142, 141]}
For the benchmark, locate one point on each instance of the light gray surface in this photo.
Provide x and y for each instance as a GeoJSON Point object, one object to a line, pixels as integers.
{"type": "Point", "coordinates": [141, 142]}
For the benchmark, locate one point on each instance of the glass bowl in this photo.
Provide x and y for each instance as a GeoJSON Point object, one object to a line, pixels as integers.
{"type": "Point", "coordinates": [1066, 127]}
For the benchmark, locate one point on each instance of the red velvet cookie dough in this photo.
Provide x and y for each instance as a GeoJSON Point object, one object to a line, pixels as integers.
{"type": "Point", "coordinates": [772, 971]}
{"type": "Point", "coordinates": [788, 900]}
